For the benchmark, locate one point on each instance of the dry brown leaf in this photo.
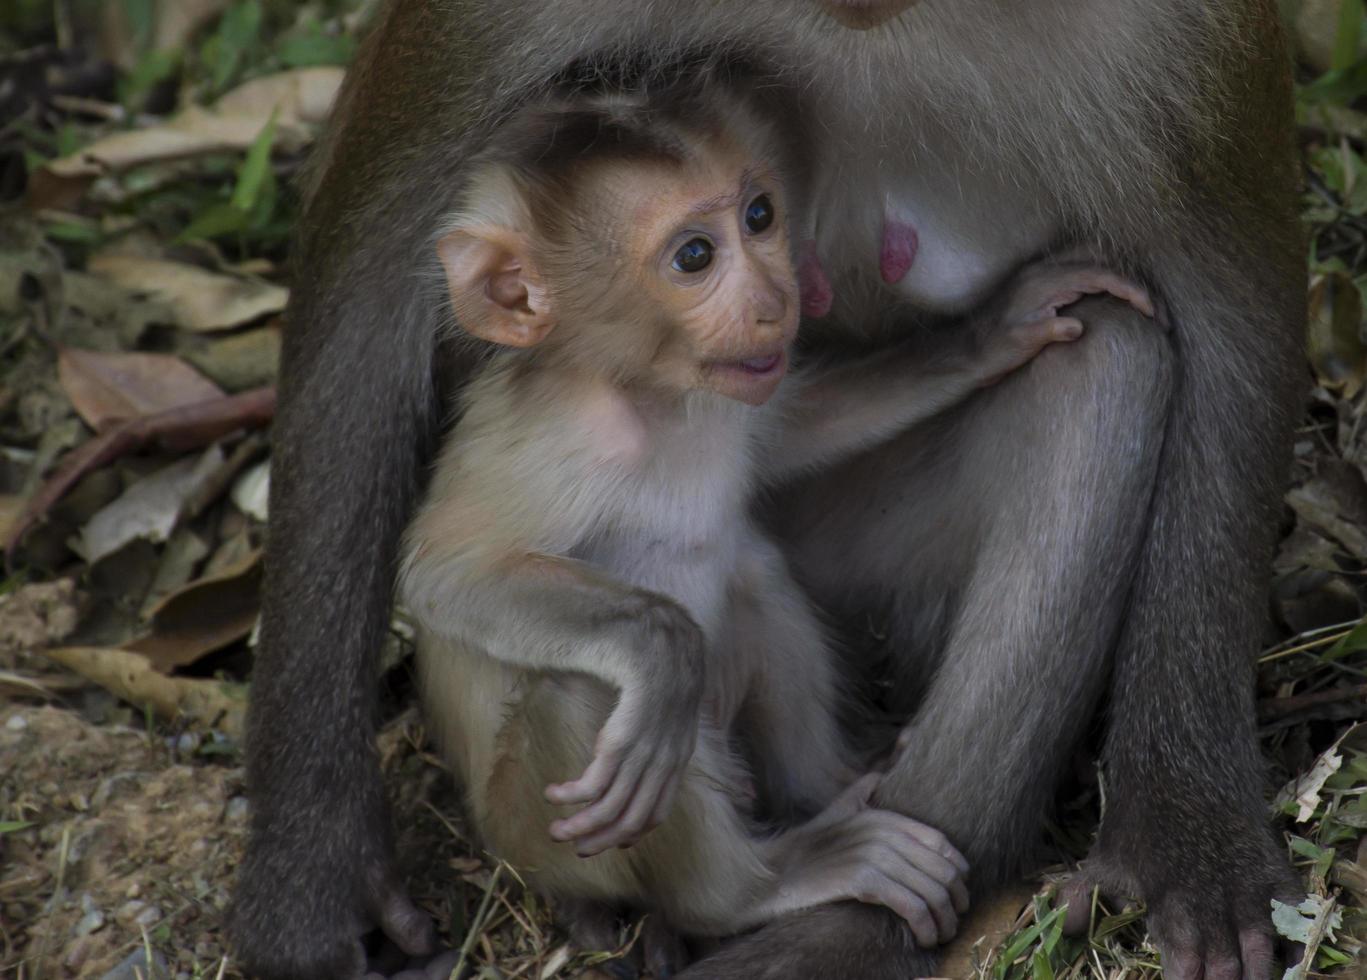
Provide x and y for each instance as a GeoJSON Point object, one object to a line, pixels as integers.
{"type": "Point", "coordinates": [16, 685]}
{"type": "Point", "coordinates": [201, 300]}
{"type": "Point", "coordinates": [203, 616]}
{"type": "Point", "coordinates": [149, 508]}
{"type": "Point", "coordinates": [1334, 333]}
{"type": "Point", "coordinates": [109, 387]}
{"type": "Point", "coordinates": [131, 676]}
{"type": "Point", "coordinates": [300, 98]}
{"type": "Point", "coordinates": [11, 506]}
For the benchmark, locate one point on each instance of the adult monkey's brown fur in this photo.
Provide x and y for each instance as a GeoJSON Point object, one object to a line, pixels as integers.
{"type": "Point", "coordinates": [1097, 525]}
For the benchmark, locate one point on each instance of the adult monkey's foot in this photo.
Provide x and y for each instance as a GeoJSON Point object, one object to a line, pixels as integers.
{"type": "Point", "coordinates": [290, 921]}
{"type": "Point", "coordinates": [1209, 907]}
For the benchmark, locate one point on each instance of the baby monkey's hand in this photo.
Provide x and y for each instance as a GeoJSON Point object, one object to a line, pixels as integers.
{"type": "Point", "coordinates": [646, 743]}
{"type": "Point", "coordinates": [1031, 320]}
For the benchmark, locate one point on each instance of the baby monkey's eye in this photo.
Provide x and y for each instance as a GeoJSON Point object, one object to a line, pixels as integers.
{"type": "Point", "coordinates": [693, 255]}
{"type": "Point", "coordinates": [760, 214]}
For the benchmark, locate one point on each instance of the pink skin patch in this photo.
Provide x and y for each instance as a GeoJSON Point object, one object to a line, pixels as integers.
{"type": "Point", "coordinates": [814, 286]}
{"type": "Point", "coordinates": [898, 251]}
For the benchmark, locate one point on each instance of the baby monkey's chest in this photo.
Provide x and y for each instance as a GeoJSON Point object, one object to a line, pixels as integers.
{"type": "Point", "coordinates": [682, 538]}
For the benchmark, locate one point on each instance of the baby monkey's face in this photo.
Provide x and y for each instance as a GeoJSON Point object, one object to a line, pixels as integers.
{"type": "Point", "coordinates": [713, 236]}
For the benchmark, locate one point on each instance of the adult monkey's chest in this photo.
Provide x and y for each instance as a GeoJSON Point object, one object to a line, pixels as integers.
{"type": "Point", "coordinates": [974, 127]}
{"type": "Point", "coordinates": [910, 207]}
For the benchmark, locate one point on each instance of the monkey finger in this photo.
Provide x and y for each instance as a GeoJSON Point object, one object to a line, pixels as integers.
{"type": "Point", "coordinates": [410, 928]}
{"type": "Point", "coordinates": [1076, 893]}
{"type": "Point", "coordinates": [854, 797]}
{"type": "Point", "coordinates": [935, 841]}
{"type": "Point", "coordinates": [591, 784]}
{"type": "Point", "coordinates": [666, 801]}
{"type": "Point", "coordinates": [1255, 947]}
{"type": "Point", "coordinates": [1062, 329]}
{"type": "Point", "coordinates": [639, 817]}
{"type": "Point", "coordinates": [597, 827]}
{"type": "Point", "coordinates": [936, 896]}
{"type": "Point", "coordinates": [1122, 288]}
{"type": "Point", "coordinates": [1034, 336]}
{"type": "Point", "coordinates": [878, 888]}
{"type": "Point", "coordinates": [940, 869]}
{"type": "Point", "coordinates": [902, 833]}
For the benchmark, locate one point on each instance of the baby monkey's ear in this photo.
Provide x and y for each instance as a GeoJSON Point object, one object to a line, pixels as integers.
{"type": "Point", "coordinates": [496, 291]}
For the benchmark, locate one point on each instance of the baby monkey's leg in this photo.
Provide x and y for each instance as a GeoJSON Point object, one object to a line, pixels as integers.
{"type": "Point", "coordinates": [703, 869]}
{"type": "Point", "coordinates": [788, 720]}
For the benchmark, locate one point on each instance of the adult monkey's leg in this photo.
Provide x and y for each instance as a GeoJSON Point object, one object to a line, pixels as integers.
{"type": "Point", "coordinates": [1185, 826]}
{"type": "Point", "coordinates": [359, 412]}
{"type": "Point", "coordinates": [1010, 517]}
{"type": "Point", "coordinates": [1059, 465]}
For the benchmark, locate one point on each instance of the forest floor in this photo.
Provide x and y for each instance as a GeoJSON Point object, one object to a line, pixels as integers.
{"type": "Point", "coordinates": [147, 150]}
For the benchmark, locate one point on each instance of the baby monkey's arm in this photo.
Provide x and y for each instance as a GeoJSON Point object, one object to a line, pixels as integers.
{"type": "Point", "coordinates": [837, 411]}
{"type": "Point", "coordinates": [545, 612]}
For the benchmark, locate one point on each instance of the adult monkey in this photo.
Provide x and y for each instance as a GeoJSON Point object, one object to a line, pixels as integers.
{"type": "Point", "coordinates": [1097, 525]}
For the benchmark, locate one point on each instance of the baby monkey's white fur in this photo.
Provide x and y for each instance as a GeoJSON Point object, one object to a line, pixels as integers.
{"type": "Point", "coordinates": [591, 592]}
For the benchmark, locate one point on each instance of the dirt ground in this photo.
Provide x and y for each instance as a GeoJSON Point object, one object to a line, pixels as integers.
{"type": "Point", "coordinates": [133, 833]}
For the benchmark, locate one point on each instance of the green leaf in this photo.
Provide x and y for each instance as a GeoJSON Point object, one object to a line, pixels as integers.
{"type": "Point", "coordinates": [1342, 86]}
{"type": "Point", "coordinates": [315, 48]}
{"type": "Point", "coordinates": [13, 826]}
{"type": "Point", "coordinates": [1114, 923]}
{"type": "Point", "coordinates": [152, 68]}
{"type": "Point", "coordinates": [256, 168]}
{"type": "Point", "coordinates": [71, 231]}
{"type": "Point", "coordinates": [69, 140]}
{"type": "Point", "coordinates": [142, 18]}
{"type": "Point", "coordinates": [1349, 34]}
{"type": "Point", "coordinates": [1329, 956]}
{"type": "Point", "coordinates": [1323, 857]}
{"type": "Point", "coordinates": [237, 33]}
{"type": "Point", "coordinates": [1355, 641]}
{"type": "Point", "coordinates": [1039, 966]}
{"type": "Point", "coordinates": [220, 219]}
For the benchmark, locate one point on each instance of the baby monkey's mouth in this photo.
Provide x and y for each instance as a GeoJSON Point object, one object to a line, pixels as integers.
{"type": "Point", "coordinates": [749, 379]}
{"type": "Point", "coordinates": [763, 364]}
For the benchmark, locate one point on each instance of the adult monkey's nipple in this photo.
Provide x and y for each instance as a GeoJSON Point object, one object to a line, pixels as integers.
{"type": "Point", "coordinates": [814, 286]}
{"type": "Point", "coordinates": [897, 251]}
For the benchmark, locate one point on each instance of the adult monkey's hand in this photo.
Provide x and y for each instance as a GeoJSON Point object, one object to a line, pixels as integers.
{"type": "Point", "coordinates": [1104, 515]}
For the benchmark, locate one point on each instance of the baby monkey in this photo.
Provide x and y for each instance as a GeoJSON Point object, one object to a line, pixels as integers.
{"type": "Point", "coordinates": [601, 624]}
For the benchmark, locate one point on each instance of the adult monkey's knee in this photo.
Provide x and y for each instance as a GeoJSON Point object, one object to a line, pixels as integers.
{"type": "Point", "coordinates": [1122, 366]}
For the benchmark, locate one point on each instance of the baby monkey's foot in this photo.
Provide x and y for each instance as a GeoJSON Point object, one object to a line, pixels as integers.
{"type": "Point", "coordinates": [852, 850]}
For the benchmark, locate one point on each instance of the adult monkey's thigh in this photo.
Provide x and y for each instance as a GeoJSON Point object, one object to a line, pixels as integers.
{"type": "Point", "coordinates": [1159, 127]}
